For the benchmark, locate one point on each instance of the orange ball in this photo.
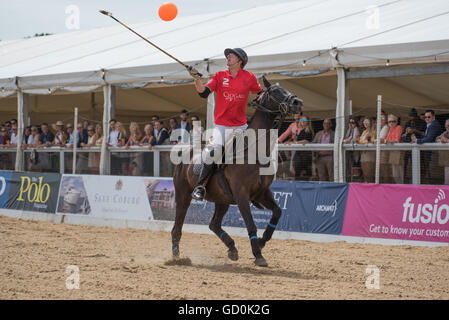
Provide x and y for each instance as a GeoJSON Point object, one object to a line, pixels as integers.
{"type": "Point", "coordinates": [168, 11]}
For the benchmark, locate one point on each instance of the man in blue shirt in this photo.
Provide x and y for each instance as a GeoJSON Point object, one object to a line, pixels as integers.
{"type": "Point", "coordinates": [47, 136]}
{"type": "Point", "coordinates": [433, 130]}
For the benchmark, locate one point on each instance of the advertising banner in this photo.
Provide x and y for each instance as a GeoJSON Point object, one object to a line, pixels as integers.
{"type": "Point", "coordinates": [404, 212]}
{"type": "Point", "coordinates": [306, 207]}
{"type": "Point", "coordinates": [32, 191]}
{"type": "Point", "coordinates": [113, 197]}
{"type": "Point", "coordinates": [5, 181]}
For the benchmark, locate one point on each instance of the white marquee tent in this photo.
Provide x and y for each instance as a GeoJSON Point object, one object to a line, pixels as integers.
{"type": "Point", "coordinates": [397, 48]}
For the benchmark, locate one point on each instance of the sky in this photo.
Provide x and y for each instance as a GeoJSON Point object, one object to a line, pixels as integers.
{"type": "Point", "coordinates": [22, 18]}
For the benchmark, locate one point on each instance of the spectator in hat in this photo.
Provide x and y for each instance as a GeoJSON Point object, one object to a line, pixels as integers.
{"type": "Point", "coordinates": [60, 137]}
{"type": "Point", "coordinates": [395, 136]}
{"type": "Point", "coordinates": [414, 126]}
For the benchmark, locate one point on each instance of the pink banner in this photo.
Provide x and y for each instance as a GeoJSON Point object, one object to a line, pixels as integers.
{"type": "Point", "coordinates": [404, 212]}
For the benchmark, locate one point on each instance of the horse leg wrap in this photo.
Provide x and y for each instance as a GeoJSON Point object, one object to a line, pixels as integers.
{"type": "Point", "coordinates": [268, 232]}
{"type": "Point", "coordinates": [257, 252]}
{"type": "Point", "coordinates": [175, 251]}
{"type": "Point", "coordinates": [227, 240]}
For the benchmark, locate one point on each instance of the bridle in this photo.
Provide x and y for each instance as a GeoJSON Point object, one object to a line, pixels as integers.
{"type": "Point", "coordinates": [282, 106]}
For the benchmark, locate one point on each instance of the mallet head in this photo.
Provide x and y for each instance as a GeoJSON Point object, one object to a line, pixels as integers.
{"type": "Point", "coordinates": [106, 13]}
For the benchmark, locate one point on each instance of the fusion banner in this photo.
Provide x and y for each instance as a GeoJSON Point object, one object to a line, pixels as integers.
{"type": "Point", "coordinates": [32, 191]}
{"type": "Point", "coordinates": [5, 181]}
{"type": "Point", "coordinates": [404, 212]}
{"type": "Point", "coordinates": [113, 197]}
{"type": "Point", "coordinates": [306, 207]}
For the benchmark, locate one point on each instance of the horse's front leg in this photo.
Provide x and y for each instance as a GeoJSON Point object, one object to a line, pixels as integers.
{"type": "Point", "coordinates": [183, 199]}
{"type": "Point", "coordinates": [267, 200]}
{"type": "Point", "coordinates": [215, 226]}
{"type": "Point", "coordinates": [252, 232]}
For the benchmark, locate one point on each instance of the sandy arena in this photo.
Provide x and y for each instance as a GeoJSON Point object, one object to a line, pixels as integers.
{"type": "Point", "coordinates": [130, 264]}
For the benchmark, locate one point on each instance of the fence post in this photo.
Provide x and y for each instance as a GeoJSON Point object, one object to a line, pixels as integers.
{"type": "Point", "coordinates": [61, 162]}
{"type": "Point", "coordinates": [379, 108]}
{"type": "Point", "coordinates": [156, 162]}
{"type": "Point", "coordinates": [416, 165]}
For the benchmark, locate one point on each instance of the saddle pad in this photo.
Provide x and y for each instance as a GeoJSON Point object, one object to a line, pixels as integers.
{"type": "Point", "coordinates": [197, 164]}
{"type": "Point", "coordinates": [197, 168]}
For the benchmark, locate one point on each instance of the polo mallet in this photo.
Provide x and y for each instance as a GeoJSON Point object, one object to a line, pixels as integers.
{"type": "Point", "coordinates": [189, 68]}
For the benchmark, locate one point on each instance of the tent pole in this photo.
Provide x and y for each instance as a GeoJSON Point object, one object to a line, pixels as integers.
{"type": "Point", "coordinates": [22, 114]}
{"type": "Point", "coordinates": [378, 128]}
{"type": "Point", "coordinates": [75, 141]}
{"type": "Point", "coordinates": [108, 91]}
{"type": "Point", "coordinates": [340, 125]}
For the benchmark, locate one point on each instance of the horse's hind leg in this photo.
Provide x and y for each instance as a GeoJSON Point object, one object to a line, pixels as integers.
{"type": "Point", "coordinates": [215, 226]}
{"type": "Point", "coordinates": [267, 200]}
{"type": "Point", "coordinates": [252, 232]}
{"type": "Point", "coordinates": [182, 204]}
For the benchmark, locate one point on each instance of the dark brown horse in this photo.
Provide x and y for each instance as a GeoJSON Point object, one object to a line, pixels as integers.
{"type": "Point", "coordinates": [245, 182]}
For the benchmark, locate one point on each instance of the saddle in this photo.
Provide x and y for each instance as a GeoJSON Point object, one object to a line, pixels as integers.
{"type": "Point", "coordinates": [220, 167]}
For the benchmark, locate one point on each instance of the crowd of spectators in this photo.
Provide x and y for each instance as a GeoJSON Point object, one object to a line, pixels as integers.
{"type": "Point", "coordinates": [91, 135]}
{"type": "Point", "coordinates": [302, 165]}
{"type": "Point", "coordinates": [318, 165]}
{"type": "Point", "coordinates": [394, 164]}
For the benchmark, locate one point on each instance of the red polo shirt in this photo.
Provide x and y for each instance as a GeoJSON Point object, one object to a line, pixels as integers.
{"type": "Point", "coordinates": [231, 96]}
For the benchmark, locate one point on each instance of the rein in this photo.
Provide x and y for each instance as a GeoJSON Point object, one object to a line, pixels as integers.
{"type": "Point", "coordinates": [282, 105]}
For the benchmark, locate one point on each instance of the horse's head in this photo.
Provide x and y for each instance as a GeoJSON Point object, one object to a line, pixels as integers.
{"type": "Point", "coordinates": [278, 100]}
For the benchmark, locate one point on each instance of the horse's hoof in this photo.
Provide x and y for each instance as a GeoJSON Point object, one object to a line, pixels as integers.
{"type": "Point", "coordinates": [261, 262]}
{"type": "Point", "coordinates": [175, 252]}
{"type": "Point", "coordinates": [261, 243]}
{"type": "Point", "coordinates": [233, 254]}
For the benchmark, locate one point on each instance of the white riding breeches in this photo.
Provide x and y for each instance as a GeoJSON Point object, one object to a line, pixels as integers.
{"type": "Point", "coordinates": [221, 134]}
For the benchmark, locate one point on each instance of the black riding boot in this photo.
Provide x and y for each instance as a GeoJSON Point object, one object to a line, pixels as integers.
{"type": "Point", "coordinates": [200, 191]}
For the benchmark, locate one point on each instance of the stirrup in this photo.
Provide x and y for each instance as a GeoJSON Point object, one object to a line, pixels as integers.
{"type": "Point", "coordinates": [198, 193]}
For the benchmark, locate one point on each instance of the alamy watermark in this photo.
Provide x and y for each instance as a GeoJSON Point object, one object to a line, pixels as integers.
{"type": "Point", "coordinates": [372, 22]}
{"type": "Point", "coordinates": [373, 280]}
{"type": "Point", "coordinates": [73, 280]}
{"type": "Point", "coordinates": [251, 147]}
{"type": "Point", "coordinates": [72, 20]}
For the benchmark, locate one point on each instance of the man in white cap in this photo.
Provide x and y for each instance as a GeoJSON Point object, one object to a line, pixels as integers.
{"type": "Point", "coordinates": [232, 88]}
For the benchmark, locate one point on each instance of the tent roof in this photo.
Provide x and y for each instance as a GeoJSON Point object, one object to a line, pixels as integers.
{"type": "Point", "coordinates": [276, 37]}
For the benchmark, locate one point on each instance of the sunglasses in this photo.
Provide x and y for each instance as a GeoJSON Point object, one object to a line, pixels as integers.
{"type": "Point", "coordinates": [392, 121]}
{"type": "Point", "coordinates": [428, 117]}
{"type": "Point", "coordinates": [352, 122]}
{"type": "Point", "coordinates": [303, 120]}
